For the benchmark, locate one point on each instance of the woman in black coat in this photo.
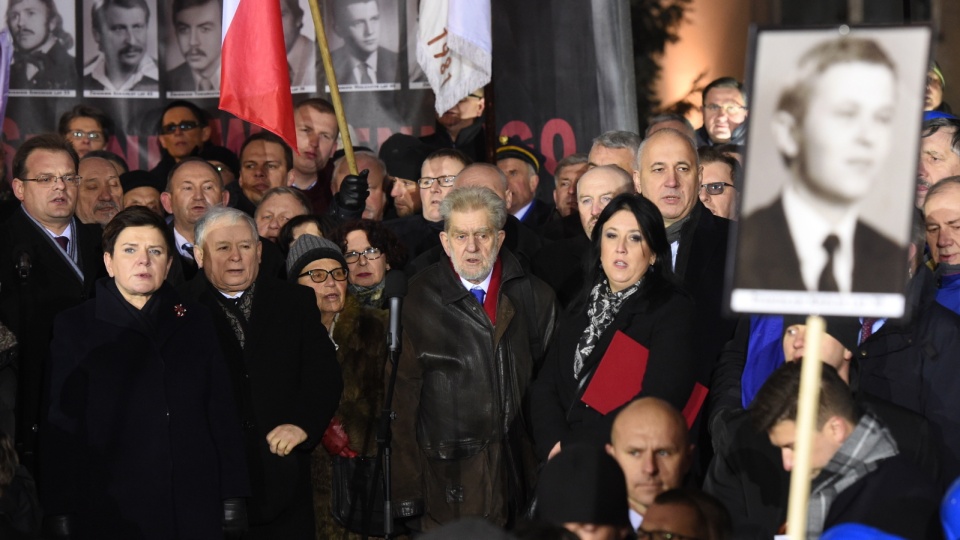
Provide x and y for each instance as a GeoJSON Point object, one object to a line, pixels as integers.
{"type": "Point", "coordinates": [142, 439]}
{"type": "Point", "coordinates": [632, 305]}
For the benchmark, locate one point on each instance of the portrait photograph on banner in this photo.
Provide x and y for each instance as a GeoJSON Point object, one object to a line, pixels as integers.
{"type": "Point", "coordinates": [300, 40]}
{"type": "Point", "coordinates": [364, 38]}
{"type": "Point", "coordinates": [830, 172]}
{"type": "Point", "coordinates": [44, 47]}
{"type": "Point", "coordinates": [193, 30]}
{"type": "Point", "coordinates": [120, 49]}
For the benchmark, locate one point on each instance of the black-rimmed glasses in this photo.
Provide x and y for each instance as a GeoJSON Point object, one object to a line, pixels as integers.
{"type": "Point", "coordinates": [319, 275]}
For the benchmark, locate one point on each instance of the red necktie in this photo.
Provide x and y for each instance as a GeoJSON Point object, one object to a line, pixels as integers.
{"type": "Point", "coordinates": [62, 241]}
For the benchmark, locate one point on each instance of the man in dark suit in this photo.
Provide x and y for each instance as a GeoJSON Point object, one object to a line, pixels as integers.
{"type": "Point", "coordinates": [833, 129]}
{"type": "Point", "coordinates": [48, 262]}
{"type": "Point", "coordinates": [362, 60]}
{"type": "Point", "coordinates": [41, 59]}
{"type": "Point", "coordinates": [283, 367]}
{"type": "Point", "coordinates": [197, 24]}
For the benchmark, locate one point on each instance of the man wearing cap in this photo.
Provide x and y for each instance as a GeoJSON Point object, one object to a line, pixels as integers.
{"type": "Point", "coordinates": [583, 490]}
{"type": "Point", "coordinates": [404, 156]}
{"type": "Point", "coordinates": [461, 447]}
{"type": "Point", "coordinates": [287, 388]}
{"type": "Point", "coordinates": [140, 188]}
{"type": "Point", "coordinates": [522, 167]}
{"type": "Point", "coordinates": [936, 84]}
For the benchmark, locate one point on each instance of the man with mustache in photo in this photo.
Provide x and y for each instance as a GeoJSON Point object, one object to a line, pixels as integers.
{"type": "Point", "coordinates": [197, 24]}
{"type": "Point", "coordinates": [120, 30]}
{"type": "Point", "coordinates": [41, 57]}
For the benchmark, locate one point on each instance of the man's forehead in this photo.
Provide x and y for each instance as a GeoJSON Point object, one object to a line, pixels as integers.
{"type": "Point", "coordinates": [945, 198]}
{"type": "Point", "coordinates": [262, 149]}
{"type": "Point", "coordinates": [193, 14]}
{"type": "Point", "coordinates": [28, 4]}
{"type": "Point", "coordinates": [43, 158]}
{"type": "Point", "coordinates": [224, 230]}
{"type": "Point", "coordinates": [179, 114]}
{"type": "Point", "coordinates": [96, 167]}
{"type": "Point", "coordinates": [724, 94]}
{"type": "Point", "coordinates": [120, 11]}
{"type": "Point", "coordinates": [196, 172]}
{"type": "Point", "coordinates": [668, 148]}
{"type": "Point", "coordinates": [598, 182]}
{"type": "Point", "coordinates": [469, 220]}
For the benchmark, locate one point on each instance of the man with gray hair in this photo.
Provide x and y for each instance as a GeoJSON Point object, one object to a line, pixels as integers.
{"type": "Point", "coordinates": [939, 154]}
{"type": "Point", "coordinates": [283, 368]}
{"type": "Point", "coordinates": [615, 148]}
{"type": "Point", "coordinates": [461, 446]}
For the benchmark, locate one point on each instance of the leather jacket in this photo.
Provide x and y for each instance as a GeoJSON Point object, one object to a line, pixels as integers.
{"type": "Point", "coordinates": [461, 381]}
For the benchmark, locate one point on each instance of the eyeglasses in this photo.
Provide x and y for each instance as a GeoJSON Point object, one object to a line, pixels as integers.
{"type": "Point", "coordinates": [319, 276]}
{"type": "Point", "coordinates": [170, 129]}
{"type": "Point", "coordinates": [730, 109]}
{"type": "Point", "coordinates": [47, 180]}
{"type": "Point", "coordinates": [661, 535]}
{"type": "Point", "coordinates": [92, 135]}
{"type": "Point", "coordinates": [370, 254]}
{"type": "Point", "coordinates": [445, 181]}
{"type": "Point", "coordinates": [716, 188]}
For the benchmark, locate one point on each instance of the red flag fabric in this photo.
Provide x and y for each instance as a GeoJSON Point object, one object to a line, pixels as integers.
{"type": "Point", "coordinates": [254, 77]}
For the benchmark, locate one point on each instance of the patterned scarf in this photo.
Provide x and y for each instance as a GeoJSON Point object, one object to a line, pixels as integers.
{"type": "Point", "coordinates": [369, 296]}
{"type": "Point", "coordinates": [238, 312]}
{"type": "Point", "coordinates": [868, 445]}
{"type": "Point", "coordinates": [604, 305]}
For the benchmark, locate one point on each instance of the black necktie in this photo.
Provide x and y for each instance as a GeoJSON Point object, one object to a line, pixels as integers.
{"type": "Point", "coordinates": [828, 282]}
{"type": "Point", "coordinates": [62, 241]}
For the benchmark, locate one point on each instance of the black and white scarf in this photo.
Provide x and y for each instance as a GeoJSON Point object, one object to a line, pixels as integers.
{"type": "Point", "coordinates": [238, 312]}
{"type": "Point", "coordinates": [868, 445]}
{"type": "Point", "coordinates": [604, 306]}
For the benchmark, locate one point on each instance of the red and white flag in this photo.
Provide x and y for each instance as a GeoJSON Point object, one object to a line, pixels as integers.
{"type": "Point", "coordinates": [254, 77]}
{"type": "Point", "coordinates": [455, 48]}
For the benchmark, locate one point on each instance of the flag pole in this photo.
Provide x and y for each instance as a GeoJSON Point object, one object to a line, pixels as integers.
{"type": "Point", "coordinates": [334, 89]}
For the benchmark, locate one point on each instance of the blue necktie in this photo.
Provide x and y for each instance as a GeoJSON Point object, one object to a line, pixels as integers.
{"type": "Point", "coordinates": [478, 294]}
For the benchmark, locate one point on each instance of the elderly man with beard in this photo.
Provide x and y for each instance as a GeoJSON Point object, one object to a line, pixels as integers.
{"type": "Point", "coordinates": [120, 30]}
{"type": "Point", "coordinates": [101, 195]}
{"type": "Point", "coordinates": [287, 389]}
{"type": "Point", "coordinates": [461, 447]}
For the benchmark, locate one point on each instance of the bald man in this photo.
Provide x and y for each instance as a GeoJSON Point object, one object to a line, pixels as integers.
{"type": "Point", "coordinates": [649, 440]}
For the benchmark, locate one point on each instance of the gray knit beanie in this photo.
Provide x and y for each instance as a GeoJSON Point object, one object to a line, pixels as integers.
{"type": "Point", "coordinates": [309, 248]}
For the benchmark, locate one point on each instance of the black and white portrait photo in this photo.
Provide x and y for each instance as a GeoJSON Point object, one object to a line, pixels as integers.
{"type": "Point", "coordinates": [193, 64]}
{"type": "Point", "coordinates": [120, 49]}
{"type": "Point", "coordinates": [43, 47]}
{"type": "Point", "coordinates": [298, 36]}
{"type": "Point", "coordinates": [831, 166]}
{"type": "Point", "coordinates": [364, 43]}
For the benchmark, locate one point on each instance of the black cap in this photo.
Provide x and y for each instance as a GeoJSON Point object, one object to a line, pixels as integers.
{"type": "Point", "coordinates": [846, 330]}
{"type": "Point", "coordinates": [137, 179]}
{"type": "Point", "coordinates": [404, 155]}
{"type": "Point", "coordinates": [513, 147]}
{"type": "Point", "coordinates": [212, 152]}
{"type": "Point", "coordinates": [583, 484]}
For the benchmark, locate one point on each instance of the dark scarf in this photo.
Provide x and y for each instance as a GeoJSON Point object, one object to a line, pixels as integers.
{"type": "Point", "coordinates": [673, 231]}
{"type": "Point", "coordinates": [238, 312]}
{"type": "Point", "coordinates": [368, 296]}
{"type": "Point", "coordinates": [603, 307]}
{"type": "Point", "coordinates": [146, 316]}
{"type": "Point", "coordinates": [868, 445]}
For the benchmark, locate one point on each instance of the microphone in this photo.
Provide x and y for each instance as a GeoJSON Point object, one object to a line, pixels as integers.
{"type": "Point", "coordinates": [394, 289]}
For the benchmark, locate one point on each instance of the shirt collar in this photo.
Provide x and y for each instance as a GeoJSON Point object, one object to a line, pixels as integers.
{"type": "Point", "coordinates": [98, 71]}
{"type": "Point", "coordinates": [485, 284]}
{"type": "Point", "coordinates": [808, 230]}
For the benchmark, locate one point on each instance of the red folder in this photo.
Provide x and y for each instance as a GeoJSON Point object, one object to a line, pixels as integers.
{"type": "Point", "coordinates": [619, 376]}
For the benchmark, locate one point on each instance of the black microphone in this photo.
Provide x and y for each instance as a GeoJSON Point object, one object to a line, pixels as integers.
{"type": "Point", "coordinates": [394, 289]}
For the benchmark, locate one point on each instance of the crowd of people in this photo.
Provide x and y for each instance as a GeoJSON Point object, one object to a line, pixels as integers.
{"type": "Point", "coordinates": [203, 350]}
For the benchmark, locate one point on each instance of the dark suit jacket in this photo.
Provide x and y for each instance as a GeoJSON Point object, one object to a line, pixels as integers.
{"type": "Point", "coordinates": [143, 436]}
{"type": "Point", "coordinates": [29, 305]}
{"type": "Point", "coordinates": [180, 79]}
{"type": "Point", "coordinates": [287, 373]}
{"type": "Point", "coordinates": [538, 214]}
{"type": "Point", "coordinates": [58, 71]}
{"type": "Point", "coordinates": [768, 258]}
{"type": "Point", "coordinates": [388, 66]}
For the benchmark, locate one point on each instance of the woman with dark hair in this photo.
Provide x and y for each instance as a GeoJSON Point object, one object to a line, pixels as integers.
{"type": "Point", "coordinates": [142, 437]}
{"type": "Point", "coordinates": [370, 250]}
{"type": "Point", "coordinates": [86, 128]}
{"type": "Point", "coordinates": [632, 310]}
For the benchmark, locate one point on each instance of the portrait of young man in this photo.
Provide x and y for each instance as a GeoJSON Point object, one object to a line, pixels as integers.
{"type": "Point", "coordinates": [827, 211]}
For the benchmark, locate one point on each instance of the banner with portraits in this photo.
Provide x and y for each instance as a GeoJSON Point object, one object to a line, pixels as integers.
{"type": "Point", "coordinates": [132, 57]}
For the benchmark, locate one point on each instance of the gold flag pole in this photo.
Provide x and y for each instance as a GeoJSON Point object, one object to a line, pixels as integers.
{"type": "Point", "coordinates": [334, 89]}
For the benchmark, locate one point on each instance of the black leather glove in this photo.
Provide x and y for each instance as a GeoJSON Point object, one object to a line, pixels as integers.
{"type": "Point", "coordinates": [353, 193]}
{"type": "Point", "coordinates": [56, 527]}
{"type": "Point", "coordinates": [234, 518]}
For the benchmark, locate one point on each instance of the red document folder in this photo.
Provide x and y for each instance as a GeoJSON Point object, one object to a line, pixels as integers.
{"type": "Point", "coordinates": [619, 376]}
